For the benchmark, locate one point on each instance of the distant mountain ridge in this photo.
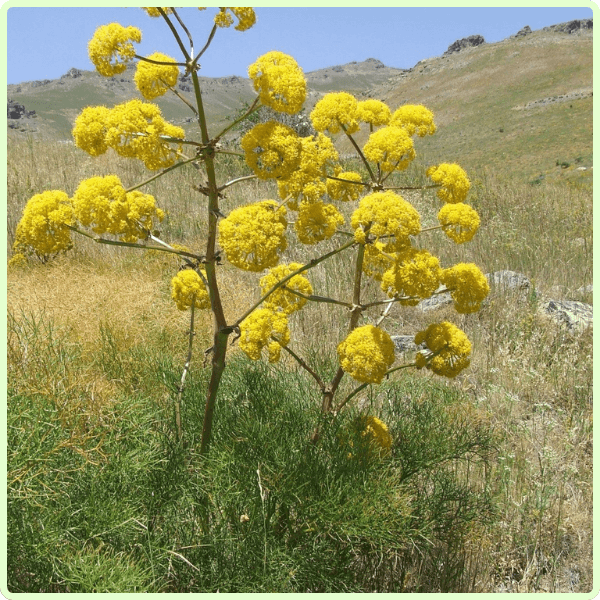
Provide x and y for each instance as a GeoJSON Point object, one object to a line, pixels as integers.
{"type": "Point", "coordinates": [522, 103]}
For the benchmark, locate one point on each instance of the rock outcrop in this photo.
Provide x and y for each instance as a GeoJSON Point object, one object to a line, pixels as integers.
{"type": "Point", "coordinates": [468, 42]}
{"type": "Point", "coordinates": [571, 26]}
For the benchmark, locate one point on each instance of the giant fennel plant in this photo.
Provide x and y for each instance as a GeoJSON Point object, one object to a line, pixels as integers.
{"type": "Point", "coordinates": [310, 184]}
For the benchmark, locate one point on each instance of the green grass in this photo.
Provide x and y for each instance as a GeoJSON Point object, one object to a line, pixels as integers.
{"type": "Point", "coordinates": [102, 499]}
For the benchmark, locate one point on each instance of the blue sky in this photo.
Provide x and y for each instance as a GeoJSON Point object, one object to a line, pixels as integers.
{"type": "Point", "coordinates": [44, 43]}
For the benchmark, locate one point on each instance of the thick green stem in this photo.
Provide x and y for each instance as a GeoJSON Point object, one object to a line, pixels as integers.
{"type": "Point", "coordinates": [221, 331]}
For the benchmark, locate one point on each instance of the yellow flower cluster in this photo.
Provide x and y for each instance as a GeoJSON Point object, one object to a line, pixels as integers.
{"type": "Point", "coordinates": [245, 16]}
{"type": "Point", "coordinates": [282, 299]}
{"type": "Point", "coordinates": [103, 204]}
{"type": "Point", "coordinates": [376, 433]}
{"type": "Point", "coordinates": [386, 214]}
{"type": "Point", "coordinates": [391, 147]}
{"type": "Point", "coordinates": [90, 130]}
{"type": "Point", "coordinates": [450, 347]}
{"type": "Point", "coordinates": [415, 273]}
{"type": "Point", "coordinates": [367, 354]}
{"type": "Point", "coordinates": [414, 119]}
{"type": "Point", "coordinates": [187, 287]}
{"type": "Point", "coordinates": [459, 221]}
{"type": "Point", "coordinates": [345, 190]}
{"type": "Point", "coordinates": [454, 181]}
{"type": "Point", "coordinates": [253, 236]}
{"type": "Point", "coordinates": [43, 229]}
{"type": "Point", "coordinates": [133, 129]}
{"type": "Point", "coordinates": [468, 285]}
{"type": "Point", "coordinates": [264, 328]}
{"type": "Point", "coordinates": [335, 111]}
{"type": "Point", "coordinates": [307, 182]}
{"type": "Point", "coordinates": [272, 150]}
{"type": "Point", "coordinates": [317, 222]}
{"type": "Point", "coordinates": [154, 80]}
{"type": "Point", "coordinates": [111, 49]}
{"type": "Point", "coordinates": [279, 81]}
{"type": "Point", "coordinates": [373, 112]}
{"type": "Point", "coordinates": [154, 12]}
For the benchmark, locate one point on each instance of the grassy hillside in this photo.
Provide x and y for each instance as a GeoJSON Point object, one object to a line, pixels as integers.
{"type": "Point", "coordinates": [514, 107]}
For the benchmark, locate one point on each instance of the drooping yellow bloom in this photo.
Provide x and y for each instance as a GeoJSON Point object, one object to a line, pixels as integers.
{"type": "Point", "coordinates": [450, 346]}
{"type": "Point", "coordinates": [138, 130]}
{"type": "Point", "coordinates": [367, 354]}
{"type": "Point", "coordinates": [264, 328]}
{"type": "Point", "coordinates": [374, 112]}
{"type": "Point", "coordinates": [414, 119]}
{"type": "Point", "coordinates": [334, 111]}
{"type": "Point", "coordinates": [89, 132]}
{"type": "Point", "coordinates": [387, 214]}
{"type": "Point", "coordinates": [282, 299]}
{"type": "Point", "coordinates": [103, 204]}
{"type": "Point", "coordinates": [272, 150]}
{"type": "Point", "coordinates": [344, 190]}
{"type": "Point", "coordinates": [253, 236]}
{"type": "Point", "coordinates": [317, 222]}
{"type": "Point", "coordinates": [459, 221]}
{"type": "Point", "coordinates": [376, 434]}
{"type": "Point", "coordinates": [154, 12]}
{"type": "Point", "coordinates": [390, 147]}
{"type": "Point", "coordinates": [468, 286]}
{"type": "Point", "coordinates": [279, 81]}
{"type": "Point", "coordinates": [154, 80]}
{"type": "Point", "coordinates": [111, 49]}
{"type": "Point", "coordinates": [187, 287]}
{"type": "Point", "coordinates": [43, 229]}
{"type": "Point", "coordinates": [245, 16]}
{"type": "Point", "coordinates": [416, 273]}
{"type": "Point", "coordinates": [307, 181]}
{"type": "Point", "coordinates": [454, 181]}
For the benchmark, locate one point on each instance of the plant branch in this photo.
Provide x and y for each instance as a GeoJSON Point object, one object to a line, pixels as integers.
{"type": "Point", "coordinates": [305, 366]}
{"type": "Point", "coordinates": [357, 148]}
{"type": "Point", "coordinates": [233, 181]}
{"type": "Point", "coordinates": [163, 172]}
{"type": "Point", "coordinates": [176, 35]}
{"type": "Point", "coordinates": [312, 263]}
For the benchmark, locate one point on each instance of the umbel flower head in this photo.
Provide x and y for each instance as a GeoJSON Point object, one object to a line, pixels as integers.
{"type": "Point", "coordinates": [468, 286]}
{"type": "Point", "coordinates": [282, 299]}
{"type": "Point", "coordinates": [371, 432]}
{"type": "Point", "coordinates": [245, 16]}
{"type": "Point", "coordinates": [187, 287]}
{"type": "Point", "coordinates": [90, 130]}
{"type": "Point", "coordinates": [454, 181]}
{"type": "Point", "coordinates": [264, 328]}
{"type": "Point", "coordinates": [134, 129]}
{"type": "Point", "coordinates": [154, 12]}
{"type": "Point", "coordinates": [43, 228]}
{"type": "Point", "coordinates": [391, 147]}
{"type": "Point", "coordinates": [459, 221]}
{"type": "Point", "coordinates": [414, 119]}
{"type": "Point", "coordinates": [317, 221]}
{"type": "Point", "coordinates": [154, 80]}
{"type": "Point", "coordinates": [450, 348]}
{"type": "Point", "coordinates": [307, 182]}
{"type": "Point", "coordinates": [367, 354]}
{"type": "Point", "coordinates": [103, 204]}
{"type": "Point", "coordinates": [373, 112]}
{"type": "Point", "coordinates": [253, 236]}
{"type": "Point", "coordinates": [111, 49]}
{"type": "Point", "coordinates": [272, 150]}
{"type": "Point", "coordinates": [138, 130]}
{"type": "Point", "coordinates": [415, 274]}
{"type": "Point", "coordinates": [279, 81]}
{"type": "Point", "coordinates": [386, 214]}
{"type": "Point", "coordinates": [334, 111]}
